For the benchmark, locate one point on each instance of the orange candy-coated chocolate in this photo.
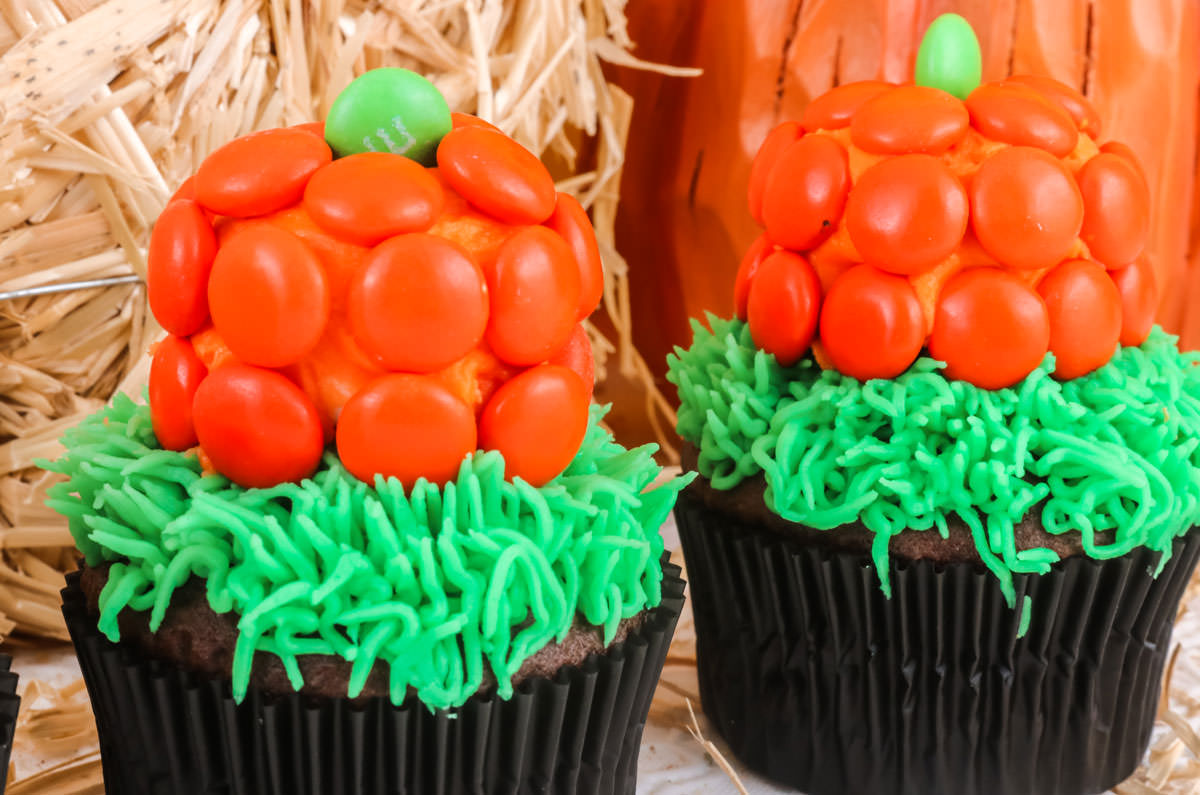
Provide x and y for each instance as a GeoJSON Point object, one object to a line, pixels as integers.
{"type": "Point", "coordinates": [497, 175]}
{"type": "Point", "coordinates": [1026, 208]}
{"type": "Point", "coordinates": [784, 302]}
{"type": "Point", "coordinates": [577, 355]}
{"type": "Point", "coordinates": [805, 192]}
{"type": "Point", "coordinates": [991, 328]}
{"type": "Point", "coordinates": [1116, 209]}
{"type": "Point", "coordinates": [537, 420]}
{"type": "Point", "coordinates": [835, 108]}
{"type": "Point", "coordinates": [346, 305]}
{"type": "Point", "coordinates": [260, 173]}
{"type": "Point", "coordinates": [751, 262]}
{"type": "Point", "coordinates": [175, 374]}
{"type": "Point", "coordinates": [909, 119]}
{"type": "Point", "coordinates": [871, 323]}
{"type": "Point", "coordinates": [178, 263]}
{"type": "Point", "coordinates": [1019, 115]}
{"type": "Point", "coordinates": [777, 140]}
{"type": "Point", "coordinates": [1139, 300]}
{"type": "Point", "coordinates": [907, 214]}
{"type": "Point", "coordinates": [368, 197]}
{"type": "Point", "coordinates": [1067, 98]}
{"type": "Point", "coordinates": [256, 426]}
{"type": "Point", "coordinates": [406, 427]}
{"type": "Point", "coordinates": [418, 303]}
{"type": "Point", "coordinates": [268, 296]}
{"type": "Point", "coordinates": [534, 287]}
{"type": "Point", "coordinates": [1084, 308]}
{"type": "Point", "coordinates": [570, 221]}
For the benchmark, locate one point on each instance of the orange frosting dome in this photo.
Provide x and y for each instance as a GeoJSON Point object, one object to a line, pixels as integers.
{"type": "Point", "coordinates": [406, 315]}
{"type": "Point", "coordinates": [986, 231]}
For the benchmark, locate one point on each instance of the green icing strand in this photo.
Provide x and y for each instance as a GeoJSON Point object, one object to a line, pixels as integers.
{"type": "Point", "coordinates": [1115, 450]}
{"type": "Point", "coordinates": [1026, 612]}
{"type": "Point", "coordinates": [432, 582]}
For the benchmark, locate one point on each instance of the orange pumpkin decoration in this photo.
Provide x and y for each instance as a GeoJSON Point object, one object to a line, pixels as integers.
{"type": "Point", "coordinates": [406, 314]}
{"type": "Point", "coordinates": [684, 231]}
{"type": "Point", "coordinates": [997, 212]}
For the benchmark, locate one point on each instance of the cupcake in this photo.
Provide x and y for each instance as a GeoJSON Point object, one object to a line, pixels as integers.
{"type": "Point", "coordinates": [949, 471]}
{"type": "Point", "coordinates": [368, 535]}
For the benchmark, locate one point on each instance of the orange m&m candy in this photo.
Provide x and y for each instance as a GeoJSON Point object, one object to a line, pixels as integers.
{"type": "Point", "coordinates": [1026, 209]}
{"type": "Point", "coordinates": [784, 302]}
{"type": "Point", "coordinates": [1139, 300]}
{"type": "Point", "coordinates": [260, 173]}
{"type": "Point", "coordinates": [317, 128]}
{"type": "Point", "coordinates": [186, 190]}
{"type": "Point", "coordinates": [175, 374]}
{"type": "Point", "coordinates": [418, 303]}
{"type": "Point", "coordinates": [773, 145]}
{"type": "Point", "coordinates": [268, 295]}
{"type": "Point", "coordinates": [537, 421]}
{"type": "Point", "coordinates": [577, 355]}
{"type": "Point", "coordinates": [178, 263]}
{"type": "Point", "coordinates": [990, 328]}
{"type": "Point", "coordinates": [907, 214]}
{"type": "Point", "coordinates": [498, 175]}
{"type": "Point", "coordinates": [836, 107]}
{"type": "Point", "coordinates": [257, 427]}
{"type": "Point", "coordinates": [468, 120]}
{"type": "Point", "coordinates": [534, 286]}
{"type": "Point", "coordinates": [871, 323]}
{"type": "Point", "coordinates": [1017, 114]}
{"type": "Point", "coordinates": [1120, 150]}
{"type": "Point", "coordinates": [759, 250]}
{"type": "Point", "coordinates": [1066, 97]}
{"type": "Point", "coordinates": [406, 427]}
{"type": "Point", "coordinates": [571, 222]}
{"type": "Point", "coordinates": [367, 197]}
{"type": "Point", "coordinates": [805, 192]}
{"type": "Point", "coordinates": [1084, 309]}
{"type": "Point", "coordinates": [1116, 209]}
{"type": "Point", "coordinates": [909, 119]}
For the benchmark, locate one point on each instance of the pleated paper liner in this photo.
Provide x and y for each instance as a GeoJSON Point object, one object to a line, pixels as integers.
{"type": "Point", "coordinates": [818, 681]}
{"type": "Point", "coordinates": [10, 704]}
{"type": "Point", "coordinates": [164, 730]}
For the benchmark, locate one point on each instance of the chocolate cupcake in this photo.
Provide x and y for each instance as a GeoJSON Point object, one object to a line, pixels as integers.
{"type": "Point", "coordinates": [949, 472]}
{"type": "Point", "coordinates": [368, 535]}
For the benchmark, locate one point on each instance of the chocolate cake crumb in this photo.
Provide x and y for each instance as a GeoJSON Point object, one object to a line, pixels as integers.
{"type": "Point", "coordinates": [745, 505]}
{"type": "Point", "coordinates": [194, 637]}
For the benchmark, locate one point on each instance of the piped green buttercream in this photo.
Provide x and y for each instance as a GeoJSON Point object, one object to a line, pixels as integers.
{"type": "Point", "coordinates": [432, 582]}
{"type": "Point", "coordinates": [1116, 450]}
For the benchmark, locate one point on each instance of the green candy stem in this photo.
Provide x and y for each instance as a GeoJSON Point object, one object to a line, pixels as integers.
{"type": "Point", "coordinates": [388, 110]}
{"type": "Point", "coordinates": [949, 57]}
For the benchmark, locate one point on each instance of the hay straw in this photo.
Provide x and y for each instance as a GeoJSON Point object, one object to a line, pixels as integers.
{"type": "Point", "coordinates": [107, 105]}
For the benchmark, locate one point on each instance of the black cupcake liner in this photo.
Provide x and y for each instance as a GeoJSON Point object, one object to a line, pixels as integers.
{"type": "Point", "coordinates": [10, 705]}
{"type": "Point", "coordinates": [818, 681]}
{"type": "Point", "coordinates": [167, 730]}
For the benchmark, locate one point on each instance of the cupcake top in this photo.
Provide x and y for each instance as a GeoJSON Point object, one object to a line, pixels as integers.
{"type": "Point", "coordinates": [369, 428]}
{"type": "Point", "coordinates": [948, 318]}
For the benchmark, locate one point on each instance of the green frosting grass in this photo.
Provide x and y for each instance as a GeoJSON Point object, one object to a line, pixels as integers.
{"type": "Point", "coordinates": [432, 582]}
{"type": "Point", "coordinates": [1115, 450]}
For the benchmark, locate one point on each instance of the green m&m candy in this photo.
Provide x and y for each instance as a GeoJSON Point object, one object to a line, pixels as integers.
{"type": "Point", "coordinates": [949, 57]}
{"type": "Point", "coordinates": [388, 110]}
